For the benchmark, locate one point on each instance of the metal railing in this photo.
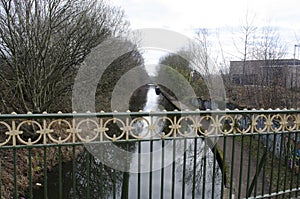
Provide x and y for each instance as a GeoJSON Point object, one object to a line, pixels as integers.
{"type": "Point", "coordinates": [177, 154]}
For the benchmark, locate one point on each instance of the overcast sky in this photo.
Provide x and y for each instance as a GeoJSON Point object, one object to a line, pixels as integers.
{"type": "Point", "coordinates": [185, 16]}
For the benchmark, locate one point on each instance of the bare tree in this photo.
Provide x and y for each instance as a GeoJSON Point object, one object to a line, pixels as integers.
{"type": "Point", "coordinates": [206, 65]}
{"type": "Point", "coordinates": [268, 45]}
{"type": "Point", "coordinates": [260, 49]}
{"type": "Point", "coordinates": [200, 52]}
{"type": "Point", "coordinates": [194, 63]}
{"type": "Point", "coordinates": [42, 42]}
{"type": "Point", "coordinates": [224, 66]}
{"type": "Point", "coordinates": [270, 50]}
{"type": "Point", "coordinates": [247, 31]}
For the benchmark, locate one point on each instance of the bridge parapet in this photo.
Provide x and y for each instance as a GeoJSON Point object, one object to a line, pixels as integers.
{"type": "Point", "coordinates": [258, 151]}
{"type": "Point", "coordinates": [30, 129]}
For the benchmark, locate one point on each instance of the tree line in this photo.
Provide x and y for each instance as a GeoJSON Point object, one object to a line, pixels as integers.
{"type": "Point", "coordinates": [270, 87]}
{"type": "Point", "coordinates": [44, 42]}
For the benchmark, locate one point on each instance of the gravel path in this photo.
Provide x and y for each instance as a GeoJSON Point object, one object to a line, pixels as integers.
{"type": "Point", "coordinates": [236, 159]}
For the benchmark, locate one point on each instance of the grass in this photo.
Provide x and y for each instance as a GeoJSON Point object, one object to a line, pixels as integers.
{"type": "Point", "coordinates": [276, 172]}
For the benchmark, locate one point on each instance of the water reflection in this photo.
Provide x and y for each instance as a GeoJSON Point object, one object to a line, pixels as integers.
{"type": "Point", "coordinates": [185, 176]}
{"type": "Point", "coordinates": [168, 168]}
{"type": "Point", "coordinates": [173, 168]}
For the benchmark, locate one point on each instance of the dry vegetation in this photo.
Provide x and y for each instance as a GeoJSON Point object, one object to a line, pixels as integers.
{"type": "Point", "coordinates": [263, 97]}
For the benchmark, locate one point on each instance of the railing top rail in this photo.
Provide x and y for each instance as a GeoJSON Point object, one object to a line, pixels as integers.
{"type": "Point", "coordinates": [60, 115]}
{"type": "Point", "coordinates": [61, 128]}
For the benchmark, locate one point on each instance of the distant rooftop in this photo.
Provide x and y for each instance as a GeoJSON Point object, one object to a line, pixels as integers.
{"type": "Point", "coordinates": [274, 61]}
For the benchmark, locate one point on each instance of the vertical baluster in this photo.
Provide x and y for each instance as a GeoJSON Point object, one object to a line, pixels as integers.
{"type": "Point", "coordinates": [88, 173]}
{"type": "Point", "coordinates": [223, 166]}
{"type": "Point", "coordinates": [214, 171]}
{"type": "Point", "coordinates": [125, 183]}
{"type": "Point", "coordinates": [194, 168]}
{"type": "Point", "coordinates": [281, 151]}
{"type": "Point", "coordinates": [114, 183]}
{"type": "Point", "coordinates": [294, 164]}
{"type": "Point", "coordinates": [257, 164]}
{"type": "Point", "coordinates": [265, 164]}
{"type": "Point", "coordinates": [60, 183]}
{"type": "Point", "coordinates": [241, 166]}
{"type": "Point", "coordinates": [204, 167]}
{"type": "Point", "coordinates": [139, 169]}
{"type": "Point", "coordinates": [74, 171]}
{"type": "Point", "coordinates": [101, 171]}
{"type": "Point", "coordinates": [0, 179]}
{"type": "Point", "coordinates": [45, 173]}
{"type": "Point", "coordinates": [162, 169]}
{"type": "Point", "coordinates": [272, 162]}
{"type": "Point", "coordinates": [288, 161]}
{"type": "Point", "coordinates": [173, 168]}
{"type": "Point", "coordinates": [15, 172]}
{"type": "Point", "coordinates": [183, 170]}
{"type": "Point", "coordinates": [151, 166]}
{"type": "Point", "coordinates": [30, 171]}
{"type": "Point", "coordinates": [298, 174]}
{"type": "Point", "coordinates": [249, 165]}
{"type": "Point", "coordinates": [232, 167]}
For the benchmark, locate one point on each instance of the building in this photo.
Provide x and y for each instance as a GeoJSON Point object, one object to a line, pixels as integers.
{"type": "Point", "coordinates": [281, 72]}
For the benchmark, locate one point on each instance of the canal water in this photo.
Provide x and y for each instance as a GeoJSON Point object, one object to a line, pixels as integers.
{"type": "Point", "coordinates": [182, 172]}
{"type": "Point", "coordinates": [169, 169]}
